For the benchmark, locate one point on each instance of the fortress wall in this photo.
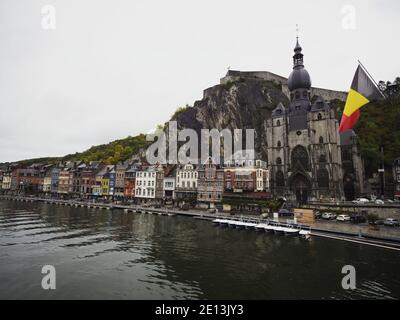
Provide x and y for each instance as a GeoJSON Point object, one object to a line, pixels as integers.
{"type": "Point", "coordinates": [235, 75]}
{"type": "Point", "coordinates": [329, 94]}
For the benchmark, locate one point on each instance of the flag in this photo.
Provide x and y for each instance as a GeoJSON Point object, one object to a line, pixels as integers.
{"type": "Point", "coordinates": [362, 91]}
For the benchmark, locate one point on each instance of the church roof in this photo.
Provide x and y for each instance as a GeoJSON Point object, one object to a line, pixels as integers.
{"type": "Point", "coordinates": [279, 111]}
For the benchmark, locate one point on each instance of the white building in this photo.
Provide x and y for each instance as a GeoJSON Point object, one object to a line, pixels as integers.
{"type": "Point", "coordinates": [186, 177]}
{"type": "Point", "coordinates": [149, 183]}
{"type": "Point", "coordinates": [47, 184]}
{"type": "Point", "coordinates": [6, 183]}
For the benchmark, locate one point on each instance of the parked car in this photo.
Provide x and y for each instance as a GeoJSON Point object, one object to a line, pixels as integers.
{"type": "Point", "coordinates": [357, 218]}
{"type": "Point", "coordinates": [317, 215]}
{"type": "Point", "coordinates": [379, 201]}
{"type": "Point", "coordinates": [361, 201]}
{"type": "Point", "coordinates": [391, 222]}
{"type": "Point", "coordinates": [343, 217]}
{"type": "Point", "coordinates": [328, 216]}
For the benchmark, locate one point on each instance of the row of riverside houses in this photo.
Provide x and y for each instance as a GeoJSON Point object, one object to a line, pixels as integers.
{"type": "Point", "coordinates": [185, 186]}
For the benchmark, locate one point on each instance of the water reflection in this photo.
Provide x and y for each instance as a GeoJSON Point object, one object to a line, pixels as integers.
{"type": "Point", "coordinates": [113, 255]}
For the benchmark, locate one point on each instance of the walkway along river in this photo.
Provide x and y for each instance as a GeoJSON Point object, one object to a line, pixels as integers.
{"type": "Point", "coordinates": [114, 254]}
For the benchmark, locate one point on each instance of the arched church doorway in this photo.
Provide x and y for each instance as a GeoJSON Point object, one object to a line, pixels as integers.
{"type": "Point", "coordinates": [301, 187]}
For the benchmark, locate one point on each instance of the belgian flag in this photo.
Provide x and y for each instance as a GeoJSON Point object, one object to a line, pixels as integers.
{"type": "Point", "coordinates": [363, 90]}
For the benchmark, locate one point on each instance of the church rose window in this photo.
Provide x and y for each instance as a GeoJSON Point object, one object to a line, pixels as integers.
{"type": "Point", "coordinates": [323, 178]}
{"type": "Point", "coordinates": [300, 157]}
{"type": "Point", "coordinates": [280, 179]}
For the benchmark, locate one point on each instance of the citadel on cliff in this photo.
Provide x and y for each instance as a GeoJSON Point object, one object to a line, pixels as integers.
{"type": "Point", "coordinates": [307, 157]}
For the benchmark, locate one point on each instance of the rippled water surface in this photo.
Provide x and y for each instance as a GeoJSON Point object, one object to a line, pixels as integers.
{"type": "Point", "coordinates": [116, 255]}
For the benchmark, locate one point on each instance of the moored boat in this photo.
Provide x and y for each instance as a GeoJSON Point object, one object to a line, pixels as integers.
{"type": "Point", "coordinates": [291, 231]}
{"type": "Point", "coordinates": [260, 226]}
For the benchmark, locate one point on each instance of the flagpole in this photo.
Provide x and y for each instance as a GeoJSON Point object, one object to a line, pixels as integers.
{"type": "Point", "coordinates": [369, 75]}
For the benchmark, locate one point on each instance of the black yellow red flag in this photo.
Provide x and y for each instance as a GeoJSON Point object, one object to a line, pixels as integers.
{"type": "Point", "coordinates": [362, 91]}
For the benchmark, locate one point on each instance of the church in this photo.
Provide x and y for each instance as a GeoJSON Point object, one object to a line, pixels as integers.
{"type": "Point", "coordinates": [308, 159]}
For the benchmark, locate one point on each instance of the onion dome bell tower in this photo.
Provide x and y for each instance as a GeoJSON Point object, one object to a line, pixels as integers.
{"type": "Point", "coordinates": [299, 85]}
{"type": "Point", "coordinates": [299, 78]}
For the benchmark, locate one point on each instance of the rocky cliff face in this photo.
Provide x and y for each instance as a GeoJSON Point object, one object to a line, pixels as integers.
{"type": "Point", "coordinates": [243, 103]}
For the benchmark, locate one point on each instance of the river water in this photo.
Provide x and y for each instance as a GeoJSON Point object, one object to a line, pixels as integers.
{"type": "Point", "coordinates": [99, 254]}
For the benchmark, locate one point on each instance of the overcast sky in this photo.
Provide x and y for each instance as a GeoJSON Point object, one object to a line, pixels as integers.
{"type": "Point", "coordinates": [115, 68]}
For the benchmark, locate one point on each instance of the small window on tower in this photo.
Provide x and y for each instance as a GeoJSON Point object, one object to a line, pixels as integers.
{"type": "Point", "coordinates": [319, 116]}
{"type": "Point", "coordinates": [321, 140]}
{"type": "Point", "coordinates": [278, 123]}
{"type": "Point", "coordinates": [297, 94]}
{"type": "Point", "coordinates": [279, 144]}
{"type": "Point", "coordinates": [278, 161]}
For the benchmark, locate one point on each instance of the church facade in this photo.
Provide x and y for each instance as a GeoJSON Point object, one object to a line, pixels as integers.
{"type": "Point", "coordinates": [304, 148]}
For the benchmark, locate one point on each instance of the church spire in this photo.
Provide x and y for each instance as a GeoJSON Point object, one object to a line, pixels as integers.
{"type": "Point", "coordinates": [298, 56]}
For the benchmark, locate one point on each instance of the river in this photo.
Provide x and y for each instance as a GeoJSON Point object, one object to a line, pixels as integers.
{"type": "Point", "coordinates": [100, 254]}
